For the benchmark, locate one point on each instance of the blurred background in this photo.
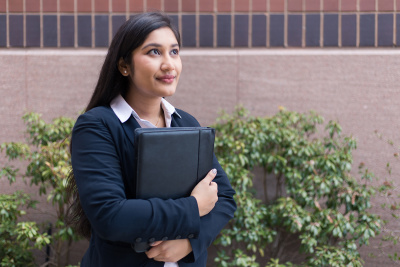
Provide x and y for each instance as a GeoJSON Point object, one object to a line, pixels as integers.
{"type": "Point", "coordinates": [337, 57]}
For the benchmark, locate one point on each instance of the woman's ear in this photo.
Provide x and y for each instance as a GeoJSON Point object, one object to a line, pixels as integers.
{"type": "Point", "coordinates": [123, 67]}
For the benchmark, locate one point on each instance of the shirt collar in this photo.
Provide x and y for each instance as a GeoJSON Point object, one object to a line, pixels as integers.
{"type": "Point", "coordinates": [123, 110]}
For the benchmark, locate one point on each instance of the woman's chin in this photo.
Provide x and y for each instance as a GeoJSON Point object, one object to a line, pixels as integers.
{"type": "Point", "coordinates": [169, 92]}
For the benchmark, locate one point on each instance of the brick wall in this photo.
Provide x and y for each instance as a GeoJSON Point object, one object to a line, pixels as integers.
{"type": "Point", "coordinates": [206, 23]}
{"type": "Point", "coordinates": [358, 87]}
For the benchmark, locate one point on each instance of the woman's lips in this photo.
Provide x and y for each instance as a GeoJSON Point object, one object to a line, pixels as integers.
{"type": "Point", "coordinates": [166, 78]}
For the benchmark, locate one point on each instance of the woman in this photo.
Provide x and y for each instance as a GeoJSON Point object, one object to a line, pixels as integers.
{"type": "Point", "coordinates": [142, 66]}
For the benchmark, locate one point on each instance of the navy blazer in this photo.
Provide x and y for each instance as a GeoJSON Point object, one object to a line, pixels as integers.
{"type": "Point", "coordinates": [102, 161]}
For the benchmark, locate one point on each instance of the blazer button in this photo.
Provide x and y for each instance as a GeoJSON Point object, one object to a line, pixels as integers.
{"type": "Point", "coordinates": [178, 237]}
{"type": "Point", "coordinates": [138, 240]}
{"type": "Point", "coordinates": [151, 240]}
{"type": "Point", "coordinates": [164, 238]}
{"type": "Point", "coordinates": [191, 236]}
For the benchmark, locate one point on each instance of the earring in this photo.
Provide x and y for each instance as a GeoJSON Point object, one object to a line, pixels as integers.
{"type": "Point", "coordinates": [125, 71]}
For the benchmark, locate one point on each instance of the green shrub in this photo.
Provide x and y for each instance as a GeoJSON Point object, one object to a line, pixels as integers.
{"type": "Point", "coordinates": [316, 213]}
{"type": "Point", "coordinates": [312, 210]}
{"type": "Point", "coordinates": [17, 239]}
{"type": "Point", "coordinates": [389, 194]}
{"type": "Point", "coordinates": [46, 153]}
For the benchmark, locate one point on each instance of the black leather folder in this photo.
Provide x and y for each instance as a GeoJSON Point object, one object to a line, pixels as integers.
{"type": "Point", "coordinates": [170, 162]}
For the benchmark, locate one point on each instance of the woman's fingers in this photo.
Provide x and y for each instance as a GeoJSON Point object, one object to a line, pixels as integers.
{"type": "Point", "coordinates": [156, 243]}
{"type": "Point", "coordinates": [170, 251]}
{"type": "Point", "coordinates": [205, 193]}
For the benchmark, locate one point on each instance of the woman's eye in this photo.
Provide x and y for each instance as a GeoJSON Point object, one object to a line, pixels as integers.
{"type": "Point", "coordinates": [154, 52]}
{"type": "Point", "coordinates": [175, 52]}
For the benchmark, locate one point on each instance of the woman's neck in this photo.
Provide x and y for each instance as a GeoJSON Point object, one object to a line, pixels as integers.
{"type": "Point", "coordinates": [148, 108]}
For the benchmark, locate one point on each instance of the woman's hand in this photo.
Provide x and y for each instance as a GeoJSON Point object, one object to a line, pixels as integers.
{"type": "Point", "coordinates": [169, 251]}
{"type": "Point", "coordinates": [205, 193]}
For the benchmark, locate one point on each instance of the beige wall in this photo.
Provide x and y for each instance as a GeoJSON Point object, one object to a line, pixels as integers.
{"type": "Point", "coordinates": [360, 88]}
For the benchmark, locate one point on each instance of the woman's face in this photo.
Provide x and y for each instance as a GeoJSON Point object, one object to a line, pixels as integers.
{"type": "Point", "coordinates": [156, 65]}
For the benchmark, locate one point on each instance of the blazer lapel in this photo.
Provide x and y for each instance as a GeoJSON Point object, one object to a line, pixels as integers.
{"type": "Point", "coordinates": [129, 127]}
{"type": "Point", "coordinates": [175, 121]}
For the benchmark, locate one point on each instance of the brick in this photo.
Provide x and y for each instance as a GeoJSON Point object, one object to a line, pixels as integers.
{"type": "Point", "coordinates": [276, 32]}
{"type": "Point", "coordinates": [367, 5]}
{"type": "Point", "coordinates": [32, 6]}
{"type": "Point", "coordinates": [3, 30]}
{"type": "Point", "coordinates": [294, 30]}
{"type": "Point", "coordinates": [3, 5]}
{"type": "Point", "coordinates": [295, 5]}
{"type": "Point", "coordinates": [171, 6]}
{"type": "Point", "coordinates": [66, 6]}
{"type": "Point", "coordinates": [349, 5]}
{"type": "Point", "coordinates": [397, 29]}
{"type": "Point", "coordinates": [259, 5]}
{"type": "Point", "coordinates": [331, 29]}
{"type": "Point", "coordinates": [242, 5]}
{"type": "Point", "coordinates": [206, 30]}
{"type": "Point", "coordinates": [224, 27]}
{"type": "Point", "coordinates": [331, 5]}
{"type": "Point", "coordinates": [118, 5]}
{"type": "Point", "coordinates": [313, 22]}
{"type": "Point", "coordinates": [117, 21]}
{"type": "Point", "coordinates": [349, 30]}
{"type": "Point", "coordinates": [84, 5]}
{"type": "Point", "coordinates": [367, 29]}
{"type": "Point", "coordinates": [188, 30]}
{"type": "Point", "coordinates": [385, 30]}
{"type": "Point", "coordinates": [313, 5]}
{"type": "Point", "coordinates": [276, 5]}
{"type": "Point", "coordinates": [224, 5]}
{"type": "Point", "coordinates": [241, 31]}
{"type": "Point", "coordinates": [33, 30]}
{"type": "Point", "coordinates": [67, 30]}
{"type": "Point", "coordinates": [15, 6]}
{"type": "Point", "coordinates": [153, 5]}
{"type": "Point", "coordinates": [84, 30]}
{"type": "Point", "coordinates": [189, 6]}
{"type": "Point", "coordinates": [16, 30]}
{"type": "Point", "coordinates": [175, 21]}
{"type": "Point", "coordinates": [49, 5]}
{"type": "Point", "coordinates": [101, 6]}
{"type": "Point", "coordinates": [206, 6]}
{"type": "Point", "coordinates": [101, 30]}
{"type": "Point", "coordinates": [386, 5]}
{"type": "Point", "coordinates": [259, 31]}
{"type": "Point", "coordinates": [136, 6]}
{"type": "Point", "coordinates": [50, 30]}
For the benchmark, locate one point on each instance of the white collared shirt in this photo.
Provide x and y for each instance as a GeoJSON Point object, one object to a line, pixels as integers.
{"type": "Point", "coordinates": [124, 111]}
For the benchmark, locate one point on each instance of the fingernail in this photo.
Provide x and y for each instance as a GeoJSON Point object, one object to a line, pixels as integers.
{"type": "Point", "coordinates": [214, 171]}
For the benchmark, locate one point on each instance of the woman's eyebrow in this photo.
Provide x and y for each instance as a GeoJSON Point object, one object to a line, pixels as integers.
{"type": "Point", "coordinates": [157, 45]}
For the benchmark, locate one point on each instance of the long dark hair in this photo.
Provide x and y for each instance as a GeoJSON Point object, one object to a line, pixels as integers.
{"type": "Point", "coordinates": [110, 84]}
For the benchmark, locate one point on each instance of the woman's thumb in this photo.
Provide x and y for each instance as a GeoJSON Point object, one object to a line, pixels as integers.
{"type": "Point", "coordinates": [210, 176]}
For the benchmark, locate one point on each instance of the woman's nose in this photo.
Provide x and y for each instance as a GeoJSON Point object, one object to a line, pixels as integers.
{"type": "Point", "coordinates": [167, 64]}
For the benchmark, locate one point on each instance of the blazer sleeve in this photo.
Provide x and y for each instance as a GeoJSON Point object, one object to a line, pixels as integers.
{"type": "Point", "coordinates": [97, 170]}
{"type": "Point", "coordinates": [212, 223]}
